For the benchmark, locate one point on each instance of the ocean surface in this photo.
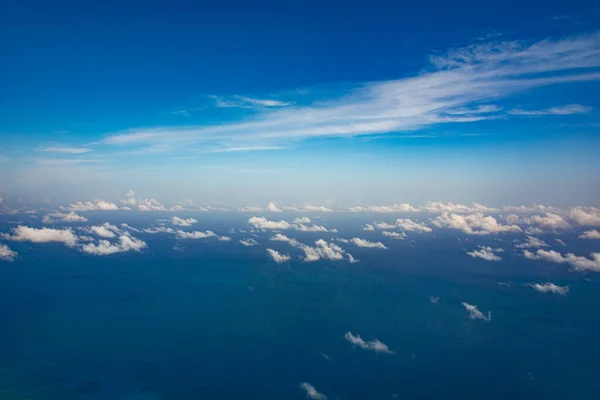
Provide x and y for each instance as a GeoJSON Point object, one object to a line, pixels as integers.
{"type": "Point", "coordinates": [209, 319]}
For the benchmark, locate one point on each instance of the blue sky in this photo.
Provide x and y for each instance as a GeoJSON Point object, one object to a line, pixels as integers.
{"type": "Point", "coordinates": [329, 103]}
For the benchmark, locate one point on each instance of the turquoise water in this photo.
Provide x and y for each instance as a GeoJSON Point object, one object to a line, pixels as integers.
{"type": "Point", "coordinates": [217, 320]}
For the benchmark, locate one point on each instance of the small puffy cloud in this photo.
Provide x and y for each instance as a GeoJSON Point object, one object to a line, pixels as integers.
{"type": "Point", "coordinates": [530, 242]}
{"type": "Point", "coordinates": [105, 230]}
{"type": "Point", "coordinates": [439, 207]}
{"type": "Point", "coordinates": [130, 193]}
{"type": "Point", "coordinates": [159, 229]}
{"type": "Point", "coordinates": [578, 263]}
{"type": "Point", "coordinates": [313, 208]}
{"type": "Point", "coordinates": [394, 235]}
{"type": "Point", "coordinates": [373, 345]}
{"type": "Point", "coordinates": [532, 230]}
{"type": "Point", "coordinates": [249, 242]}
{"type": "Point", "coordinates": [150, 205]}
{"type": "Point", "coordinates": [550, 288]}
{"type": "Point", "coordinates": [486, 253]}
{"type": "Point", "coordinates": [302, 220]}
{"type": "Point", "coordinates": [224, 238]}
{"type": "Point", "coordinates": [311, 392]}
{"type": "Point", "coordinates": [365, 243]}
{"type": "Point", "coordinates": [63, 217]}
{"type": "Point", "coordinates": [474, 312]}
{"type": "Point", "coordinates": [309, 228]}
{"type": "Point", "coordinates": [6, 254]}
{"type": "Point", "coordinates": [368, 228]}
{"type": "Point", "coordinates": [548, 221]}
{"type": "Point", "coordinates": [272, 207]}
{"type": "Point", "coordinates": [104, 247]}
{"type": "Point", "coordinates": [592, 234]}
{"type": "Point", "coordinates": [44, 235]}
{"type": "Point", "coordinates": [281, 238]}
{"type": "Point", "coordinates": [321, 250]}
{"type": "Point", "coordinates": [560, 241]}
{"type": "Point", "coordinates": [99, 205]}
{"type": "Point", "coordinates": [585, 215]}
{"type": "Point", "coordinates": [195, 234]}
{"type": "Point", "coordinates": [249, 209]}
{"type": "Point", "coordinates": [183, 221]}
{"type": "Point", "coordinates": [278, 257]}
{"type": "Point", "coordinates": [409, 225]}
{"type": "Point", "coordinates": [263, 223]}
{"type": "Point", "coordinates": [396, 208]}
{"type": "Point", "coordinates": [474, 224]}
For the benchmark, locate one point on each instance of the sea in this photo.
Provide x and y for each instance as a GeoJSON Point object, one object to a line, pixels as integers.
{"type": "Point", "coordinates": [209, 319]}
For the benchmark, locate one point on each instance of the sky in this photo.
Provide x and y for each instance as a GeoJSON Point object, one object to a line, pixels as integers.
{"type": "Point", "coordinates": [333, 103]}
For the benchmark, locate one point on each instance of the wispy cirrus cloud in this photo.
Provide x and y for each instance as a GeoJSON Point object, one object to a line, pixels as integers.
{"type": "Point", "coordinates": [568, 109]}
{"type": "Point", "coordinates": [459, 86]}
{"type": "Point", "coordinates": [65, 149]}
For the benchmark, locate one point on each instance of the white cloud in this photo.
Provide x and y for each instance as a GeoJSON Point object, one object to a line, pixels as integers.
{"type": "Point", "coordinates": [374, 345]}
{"type": "Point", "coordinates": [27, 234]}
{"type": "Point", "coordinates": [104, 247]}
{"type": "Point", "coordinates": [550, 288]}
{"type": "Point", "coordinates": [302, 220]}
{"type": "Point", "coordinates": [309, 228]}
{"type": "Point", "coordinates": [273, 207]}
{"type": "Point", "coordinates": [394, 235]}
{"type": "Point", "coordinates": [105, 230]}
{"type": "Point", "coordinates": [130, 193]}
{"type": "Point", "coordinates": [486, 253]}
{"type": "Point", "coordinates": [561, 242]}
{"type": "Point", "coordinates": [247, 102]}
{"type": "Point", "coordinates": [6, 254]}
{"type": "Point", "coordinates": [578, 263]}
{"type": "Point", "coordinates": [439, 207]}
{"type": "Point", "coordinates": [434, 299]}
{"type": "Point", "coordinates": [65, 149]}
{"type": "Point", "coordinates": [458, 80]}
{"type": "Point", "coordinates": [195, 234]}
{"type": "Point", "coordinates": [249, 242]}
{"type": "Point", "coordinates": [321, 250]}
{"type": "Point", "coordinates": [99, 205]}
{"type": "Point", "coordinates": [278, 257]}
{"type": "Point", "coordinates": [62, 217]}
{"type": "Point", "coordinates": [559, 110]}
{"type": "Point", "coordinates": [249, 209]}
{"type": "Point", "coordinates": [368, 228]}
{"type": "Point", "coordinates": [591, 234]}
{"type": "Point", "coordinates": [365, 243]}
{"type": "Point", "coordinates": [585, 215]}
{"type": "Point", "coordinates": [474, 312]}
{"type": "Point", "coordinates": [409, 225]}
{"type": "Point", "coordinates": [311, 392]}
{"type": "Point", "coordinates": [475, 224]}
{"type": "Point", "coordinates": [183, 221]}
{"type": "Point", "coordinates": [531, 241]}
{"type": "Point", "coordinates": [549, 221]}
{"type": "Point", "coordinates": [150, 205]}
{"type": "Point", "coordinates": [224, 238]}
{"type": "Point", "coordinates": [263, 223]}
{"type": "Point", "coordinates": [395, 208]}
{"type": "Point", "coordinates": [159, 229]}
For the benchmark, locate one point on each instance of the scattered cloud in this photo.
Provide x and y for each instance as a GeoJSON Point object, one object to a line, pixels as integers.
{"type": "Point", "coordinates": [578, 263]}
{"type": "Point", "coordinates": [434, 299]}
{"type": "Point", "coordinates": [65, 149]}
{"type": "Point", "coordinates": [409, 225]}
{"type": "Point", "coordinates": [311, 392]}
{"type": "Point", "coordinates": [530, 242]}
{"type": "Point", "coordinates": [368, 228]}
{"type": "Point", "coordinates": [278, 257]}
{"type": "Point", "coordinates": [183, 221]}
{"type": "Point", "coordinates": [550, 288]}
{"type": "Point", "coordinates": [395, 208]}
{"type": "Point", "coordinates": [159, 229]}
{"type": "Point", "coordinates": [272, 207]}
{"type": "Point", "coordinates": [224, 238]}
{"type": "Point", "coordinates": [263, 223]}
{"type": "Point", "coordinates": [394, 235]}
{"type": "Point", "coordinates": [195, 234]}
{"type": "Point", "coordinates": [62, 217]}
{"type": "Point", "coordinates": [549, 221]}
{"type": "Point", "coordinates": [98, 205]}
{"type": "Point", "coordinates": [43, 235]}
{"type": "Point", "coordinates": [249, 242]}
{"type": "Point", "coordinates": [104, 247]}
{"type": "Point", "coordinates": [591, 234]}
{"type": "Point", "coordinates": [559, 110]}
{"type": "Point", "coordinates": [105, 230]}
{"type": "Point", "coordinates": [585, 215]}
{"type": "Point", "coordinates": [247, 102]}
{"type": "Point", "coordinates": [302, 220]}
{"type": "Point", "coordinates": [373, 345]}
{"type": "Point", "coordinates": [365, 243]}
{"type": "Point", "coordinates": [474, 224]}
{"type": "Point", "coordinates": [474, 312]}
{"type": "Point", "coordinates": [486, 253]}
{"type": "Point", "coordinates": [321, 250]}
{"type": "Point", "coordinates": [150, 205]}
{"type": "Point", "coordinates": [6, 254]}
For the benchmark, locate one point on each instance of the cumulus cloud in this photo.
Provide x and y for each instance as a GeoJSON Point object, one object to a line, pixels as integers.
{"type": "Point", "coordinates": [474, 312]}
{"type": "Point", "coordinates": [321, 250]}
{"type": "Point", "coordinates": [99, 205]}
{"type": "Point", "coordinates": [104, 247]}
{"type": "Point", "coordinates": [368, 228]}
{"type": "Point", "coordinates": [395, 208]}
{"type": "Point", "coordinates": [591, 234]}
{"type": "Point", "coordinates": [106, 230]}
{"type": "Point", "coordinates": [159, 229]}
{"type": "Point", "coordinates": [311, 392]}
{"type": "Point", "coordinates": [263, 223]}
{"type": "Point", "coordinates": [302, 220]}
{"type": "Point", "coordinates": [549, 221]}
{"type": "Point", "coordinates": [6, 254]}
{"type": "Point", "coordinates": [183, 221]}
{"type": "Point", "coordinates": [474, 224]}
{"type": "Point", "coordinates": [195, 234]}
{"type": "Point", "coordinates": [409, 225]}
{"type": "Point", "coordinates": [44, 235]}
{"type": "Point", "coordinates": [150, 205]}
{"type": "Point", "coordinates": [394, 235]}
{"type": "Point", "coordinates": [531, 241]}
{"type": "Point", "coordinates": [439, 207]}
{"type": "Point", "coordinates": [273, 207]}
{"type": "Point", "coordinates": [278, 257]}
{"type": "Point", "coordinates": [365, 243]}
{"type": "Point", "coordinates": [578, 263]}
{"type": "Point", "coordinates": [249, 242]}
{"type": "Point", "coordinates": [585, 215]}
{"type": "Point", "coordinates": [550, 288]}
{"type": "Point", "coordinates": [486, 253]}
{"type": "Point", "coordinates": [63, 217]}
{"type": "Point", "coordinates": [373, 345]}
